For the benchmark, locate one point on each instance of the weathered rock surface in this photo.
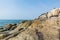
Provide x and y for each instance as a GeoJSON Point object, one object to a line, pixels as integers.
{"type": "Point", "coordinates": [45, 27]}
{"type": "Point", "coordinates": [53, 13]}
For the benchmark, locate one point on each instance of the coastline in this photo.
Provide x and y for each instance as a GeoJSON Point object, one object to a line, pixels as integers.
{"type": "Point", "coordinates": [42, 28]}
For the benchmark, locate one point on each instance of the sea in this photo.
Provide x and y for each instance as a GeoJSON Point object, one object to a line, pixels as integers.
{"type": "Point", "coordinates": [4, 22]}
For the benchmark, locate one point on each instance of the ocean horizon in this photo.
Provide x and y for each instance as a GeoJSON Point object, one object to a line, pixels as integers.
{"type": "Point", "coordinates": [4, 22]}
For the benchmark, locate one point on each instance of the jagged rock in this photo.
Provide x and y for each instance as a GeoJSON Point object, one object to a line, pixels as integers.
{"type": "Point", "coordinates": [8, 26]}
{"type": "Point", "coordinates": [22, 26]}
{"type": "Point", "coordinates": [13, 26]}
{"type": "Point", "coordinates": [48, 29]}
{"type": "Point", "coordinates": [43, 16]}
{"type": "Point", "coordinates": [55, 12]}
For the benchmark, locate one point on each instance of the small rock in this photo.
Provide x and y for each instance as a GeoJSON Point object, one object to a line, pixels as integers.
{"type": "Point", "coordinates": [2, 36]}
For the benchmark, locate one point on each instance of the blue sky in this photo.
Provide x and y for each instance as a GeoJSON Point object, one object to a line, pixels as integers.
{"type": "Point", "coordinates": [25, 9]}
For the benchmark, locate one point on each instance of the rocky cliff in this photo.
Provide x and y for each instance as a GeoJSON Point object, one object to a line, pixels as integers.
{"type": "Point", "coordinates": [45, 27]}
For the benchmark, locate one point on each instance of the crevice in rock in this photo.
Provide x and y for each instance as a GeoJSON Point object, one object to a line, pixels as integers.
{"type": "Point", "coordinates": [39, 34]}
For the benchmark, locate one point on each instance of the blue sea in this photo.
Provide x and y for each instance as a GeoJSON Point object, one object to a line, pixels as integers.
{"type": "Point", "coordinates": [4, 22]}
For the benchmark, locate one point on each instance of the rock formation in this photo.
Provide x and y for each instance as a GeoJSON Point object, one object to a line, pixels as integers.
{"type": "Point", "coordinates": [53, 13]}
{"type": "Point", "coordinates": [45, 27]}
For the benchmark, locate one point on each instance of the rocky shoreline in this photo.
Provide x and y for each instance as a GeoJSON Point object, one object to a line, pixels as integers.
{"type": "Point", "coordinates": [45, 27]}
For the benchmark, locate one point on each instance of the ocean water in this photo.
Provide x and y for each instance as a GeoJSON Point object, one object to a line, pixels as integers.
{"type": "Point", "coordinates": [4, 22]}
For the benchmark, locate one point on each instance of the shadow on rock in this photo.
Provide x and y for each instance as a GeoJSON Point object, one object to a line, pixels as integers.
{"type": "Point", "coordinates": [39, 34]}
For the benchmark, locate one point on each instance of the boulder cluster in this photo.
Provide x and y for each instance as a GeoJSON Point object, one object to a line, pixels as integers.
{"type": "Point", "coordinates": [45, 27]}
